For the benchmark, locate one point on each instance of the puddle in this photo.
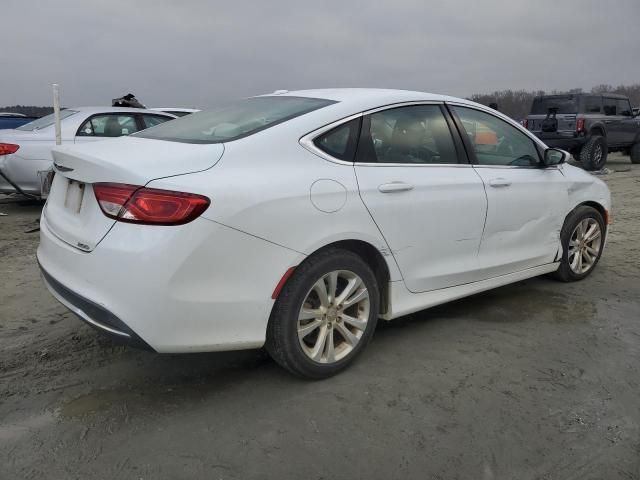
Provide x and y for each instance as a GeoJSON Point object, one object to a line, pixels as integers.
{"type": "Point", "coordinates": [170, 382]}
{"type": "Point", "coordinates": [100, 401]}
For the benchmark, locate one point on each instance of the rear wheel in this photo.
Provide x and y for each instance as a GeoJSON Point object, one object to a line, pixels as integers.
{"type": "Point", "coordinates": [593, 154]}
{"type": "Point", "coordinates": [635, 153]}
{"type": "Point", "coordinates": [325, 314]}
{"type": "Point", "coordinates": [582, 239]}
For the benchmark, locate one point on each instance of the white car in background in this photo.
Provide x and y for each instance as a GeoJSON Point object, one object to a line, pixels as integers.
{"type": "Point", "coordinates": [178, 112]}
{"type": "Point", "coordinates": [297, 220]}
{"type": "Point", "coordinates": [25, 152]}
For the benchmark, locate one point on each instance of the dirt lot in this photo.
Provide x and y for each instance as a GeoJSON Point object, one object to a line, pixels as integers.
{"type": "Point", "coordinates": [535, 380]}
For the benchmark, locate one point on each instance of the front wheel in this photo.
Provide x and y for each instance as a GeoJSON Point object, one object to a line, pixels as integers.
{"type": "Point", "coordinates": [582, 240]}
{"type": "Point", "coordinates": [325, 314]}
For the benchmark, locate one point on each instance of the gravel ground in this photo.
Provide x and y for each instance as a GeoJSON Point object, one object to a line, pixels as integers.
{"type": "Point", "coordinates": [537, 380]}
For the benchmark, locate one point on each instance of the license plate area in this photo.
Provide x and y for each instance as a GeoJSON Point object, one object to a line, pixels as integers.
{"type": "Point", "coordinates": [74, 196]}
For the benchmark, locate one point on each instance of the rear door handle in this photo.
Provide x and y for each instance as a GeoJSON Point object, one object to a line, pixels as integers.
{"type": "Point", "coordinates": [499, 182]}
{"type": "Point", "coordinates": [395, 187]}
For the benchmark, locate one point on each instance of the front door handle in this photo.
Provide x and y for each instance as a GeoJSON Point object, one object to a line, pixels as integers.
{"type": "Point", "coordinates": [499, 182]}
{"type": "Point", "coordinates": [395, 187]}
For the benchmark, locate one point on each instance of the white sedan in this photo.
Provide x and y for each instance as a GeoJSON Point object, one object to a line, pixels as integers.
{"type": "Point", "coordinates": [25, 153]}
{"type": "Point", "coordinates": [297, 220]}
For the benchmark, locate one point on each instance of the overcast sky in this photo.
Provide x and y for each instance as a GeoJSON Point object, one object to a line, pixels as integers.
{"type": "Point", "coordinates": [201, 52]}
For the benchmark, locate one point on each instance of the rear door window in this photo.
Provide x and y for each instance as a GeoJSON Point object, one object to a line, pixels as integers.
{"type": "Point", "coordinates": [108, 125]}
{"type": "Point", "coordinates": [407, 135]}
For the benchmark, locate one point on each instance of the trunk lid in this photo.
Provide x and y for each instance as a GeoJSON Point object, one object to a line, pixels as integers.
{"type": "Point", "coordinates": [72, 212]}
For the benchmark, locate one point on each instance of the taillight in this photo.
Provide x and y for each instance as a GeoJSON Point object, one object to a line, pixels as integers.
{"type": "Point", "coordinates": [525, 123]}
{"type": "Point", "coordinates": [8, 148]}
{"type": "Point", "coordinates": [149, 206]}
{"type": "Point", "coordinates": [580, 125]}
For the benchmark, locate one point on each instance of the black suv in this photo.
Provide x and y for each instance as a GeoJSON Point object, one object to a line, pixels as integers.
{"type": "Point", "coordinates": [587, 125]}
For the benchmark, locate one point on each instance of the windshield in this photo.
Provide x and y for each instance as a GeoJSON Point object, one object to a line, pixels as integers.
{"type": "Point", "coordinates": [45, 121]}
{"type": "Point", "coordinates": [235, 120]}
{"type": "Point", "coordinates": [563, 103]}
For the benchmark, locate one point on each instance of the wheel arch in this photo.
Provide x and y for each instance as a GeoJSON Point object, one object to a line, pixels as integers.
{"type": "Point", "coordinates": [598, 129]}
{"type": "Point", "coordinates": [593, 204]}
{"type": "Point", "coordinates": [370, 254]}
{"type": "Point", "coordinates": [374, 258]}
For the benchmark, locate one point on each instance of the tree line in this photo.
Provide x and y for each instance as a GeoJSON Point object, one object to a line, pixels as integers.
{"type": "Point", "coordinates": [515, 103]}
{"type": "Point", "coordinates": [30, 110]}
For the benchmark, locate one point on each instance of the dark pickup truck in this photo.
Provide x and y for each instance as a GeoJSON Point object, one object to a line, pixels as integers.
{"type": "Point", "coordinates": [587, 125]}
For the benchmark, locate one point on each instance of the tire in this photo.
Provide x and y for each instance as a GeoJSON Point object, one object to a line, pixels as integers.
{"type": "Point", "coordinates": [634, 153]}
{"type": "Point", "coordinates": [568, 271]}
{"type": "Point", "coordinates": [593, 154]}
{"type": "Point", "coordinates": [293, 350]}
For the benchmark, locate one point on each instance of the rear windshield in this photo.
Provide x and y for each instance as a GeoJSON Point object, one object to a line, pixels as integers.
{"type": "Point", "coordinates": [45, 121]}
{"type": "Point", "coordinates": [235, 120]}
{"type": "Point", "coordinates": [564, 104]}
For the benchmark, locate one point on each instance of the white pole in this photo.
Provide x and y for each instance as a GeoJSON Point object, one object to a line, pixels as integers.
{"type": "Point", "coordinates": [56, 112]}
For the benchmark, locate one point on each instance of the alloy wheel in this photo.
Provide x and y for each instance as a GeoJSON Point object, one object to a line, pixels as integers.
{"type": "Point", "coordinates": [584, 246]}
{"type": "Point", "coordinates": [333, 316]}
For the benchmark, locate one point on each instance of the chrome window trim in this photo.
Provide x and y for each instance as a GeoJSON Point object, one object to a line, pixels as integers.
{"type": "Point", "coordinates": [307, 141]}
{"type": "Point", "coordinates": [421, 165]}
{"type": "Point", "coordinates": [477, 165]}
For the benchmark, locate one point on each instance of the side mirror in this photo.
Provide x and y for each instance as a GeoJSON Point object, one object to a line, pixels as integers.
{"type": "Point", "coordinates": [555, 156]}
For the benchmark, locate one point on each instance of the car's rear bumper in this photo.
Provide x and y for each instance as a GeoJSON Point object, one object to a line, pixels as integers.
{"type": "Point", "coordinates": [196, 287]}
{"type": "Point", "coordinates": [93, 314]}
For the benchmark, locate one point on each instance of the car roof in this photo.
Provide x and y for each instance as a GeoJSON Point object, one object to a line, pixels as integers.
{"type": "Point", "coordinates": [372, 96]}
{"type": "Point", "coordinates": [351, 101]}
